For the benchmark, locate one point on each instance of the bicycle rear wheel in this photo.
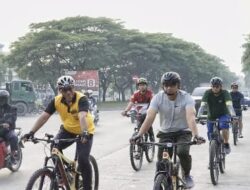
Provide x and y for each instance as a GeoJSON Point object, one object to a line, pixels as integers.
{"type": "Point", "coordinates": [95, 176]}
{"type": "Point", "coordinates": [136, 156]}
{"type": "Point", "coordinates": [149, 149]}
{"type": "Point", "coordinates": [42, 179]}
{"type": "Point", "coordinates": [162, 183]}
{"type": "Point", "coordinates": [213, 162]}
{"type": "Point", "coordinates": [14, 166]}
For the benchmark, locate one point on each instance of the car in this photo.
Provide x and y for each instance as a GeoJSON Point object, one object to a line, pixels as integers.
{"type": "Point", "coordinates": [197, 94]}
{"type": "Point", "coordinates": [246, 94]}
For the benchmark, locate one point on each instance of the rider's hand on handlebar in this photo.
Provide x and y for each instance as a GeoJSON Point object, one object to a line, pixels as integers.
{"type": "Point", "coordinates": [199, 140]}
{"type": "Point", "coordinates": [124, 113]}
{"type": "Point", "coordinates": [135, 139]}
{"type": "Point", "coordinates": [28, 136]}
{"type": "Point", "coordinates": [85, 137]}
{"type": "Point", "coordinates": [5, 125]}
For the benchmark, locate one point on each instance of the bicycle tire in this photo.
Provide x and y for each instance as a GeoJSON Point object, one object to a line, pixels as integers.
{"type": "Point", "coordinates": [213, 162]}
{"type": "Point", "coordinates": [136, 155]}
{"type": "Point", "coordinates": [15, 166]}
{"type": "Point", "coordinates": [149, 150]}
{"type": "Point", "coordinates": [235, 133]}
{"type": "Point", "coordinates": [222, 159]}
{"type": "Point", "coordinates": [162, 183]}
{"type": "Point", "coordinates": [43, 172]}
{"type": "Point", "coordinates": [95, 171]}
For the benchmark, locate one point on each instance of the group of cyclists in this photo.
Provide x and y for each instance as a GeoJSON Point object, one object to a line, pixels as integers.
{"type": "Point", "coordinates": [176, 110]}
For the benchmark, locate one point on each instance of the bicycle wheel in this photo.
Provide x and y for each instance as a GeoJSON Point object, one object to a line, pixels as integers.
{"type": "Point", "coordinates": [213, 162]}
{"type": "Point", "coordinates": [42, 179]}
{"type": "Point", "coordinates": [162, 183]}
{"type": "Point", "coordinates": [235, 133]}
{"type": "Point", "coordinates": [95, 176]}
{"type": "Point", "coordinates": [149, 149]}
{"type": "Point", "coordinates": [14, 166]}
{"type": "Point", "coordinates": [222, 158]}
{"type": "Point", "coordinates": [136, 156]}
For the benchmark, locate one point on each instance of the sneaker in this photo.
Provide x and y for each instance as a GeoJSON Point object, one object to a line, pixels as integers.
{"type": "Point", "coordinates": [151, 138]}
{"type": "Point", "coordinates": [240, 136]}
{"type": "Point", "coordinates": [227, 148]}
{"type": "Point", "coordinates": [189, 183]}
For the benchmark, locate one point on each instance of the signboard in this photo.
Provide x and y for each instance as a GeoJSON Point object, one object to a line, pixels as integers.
{"type": "Point", "coordinates": [85, 80]}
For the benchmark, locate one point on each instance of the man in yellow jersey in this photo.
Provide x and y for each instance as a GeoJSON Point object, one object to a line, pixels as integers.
{"type": "Point", "coordinates": [72, 107]}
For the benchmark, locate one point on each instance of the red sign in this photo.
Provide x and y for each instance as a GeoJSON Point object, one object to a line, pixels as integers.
{"type": "Point", "coordinates": [85, 80]}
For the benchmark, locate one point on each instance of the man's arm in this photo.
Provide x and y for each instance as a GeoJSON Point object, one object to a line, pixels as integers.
{"type": "Point", "coordinates": [190, 116]}
{"type": "Point", "coordinates": [40, 121]}
{"type": "Point", "coordinates": [150, 117]}
{"type": "Point", "coordinates": [83, 122]}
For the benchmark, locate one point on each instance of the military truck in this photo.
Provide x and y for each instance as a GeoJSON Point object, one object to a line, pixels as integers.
{"type": "Point", "coordinates": [22, 95]}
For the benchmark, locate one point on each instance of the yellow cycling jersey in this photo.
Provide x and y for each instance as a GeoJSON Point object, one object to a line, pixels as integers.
{"type": "Point", "coordinates": [69, 115]}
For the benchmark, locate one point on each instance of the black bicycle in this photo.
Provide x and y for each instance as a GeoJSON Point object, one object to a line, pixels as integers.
{"type": "Point", "coordinates": [63, 173]}
{"type": "Point", "coordinates": [217, 155]}
{"type": "Point", "coordinates": [135, 150]}
{"type": "Point", "coordinates": [235, 129]}
{"type": "Point", "coordinates": [169, 174]}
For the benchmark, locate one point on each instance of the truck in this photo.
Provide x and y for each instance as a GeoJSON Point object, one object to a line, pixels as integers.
{"type": "Point", "coordinates": [22, 95]}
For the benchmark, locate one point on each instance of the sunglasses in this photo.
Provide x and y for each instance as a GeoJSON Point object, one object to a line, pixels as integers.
{"type": "Point", "coordinates": [216, 86]}
{"type": "Point", "coordinates": [66, 89]}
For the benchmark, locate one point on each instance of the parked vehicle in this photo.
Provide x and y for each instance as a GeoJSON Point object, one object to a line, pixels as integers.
{"type": "Point", "coordinates": [22, 95]}
{"type": "Point", "coordinates": [246, 94]}
{"type": "Point", "coordinates": [197, 94]}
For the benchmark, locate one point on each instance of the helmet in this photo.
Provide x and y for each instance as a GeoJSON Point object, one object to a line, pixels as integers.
{"type": "Point", "coordinates": [142, 81]}
{"type": "Point", "coordinates": [4, 97]}
{"type": "Point", "coordinates": [65, 81]}
{"type": "Point", "coordinates": [234, 84]}
{"type": "Point", "coordinates": [170, 77]}
{"type": "Point", "coordinates": [90, 91]}
{"type": "Point", "coordinates": [216, 81]}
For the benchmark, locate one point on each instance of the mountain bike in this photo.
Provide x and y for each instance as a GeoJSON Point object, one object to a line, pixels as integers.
{"type": "Point", "coordinates": [135, 150]}
{"type": "Point", "coordinates": [169, 174]}
{"type": "Point", "coordinates": [217, 155]}
{"type": "Point", "coordinates": [63, 173]}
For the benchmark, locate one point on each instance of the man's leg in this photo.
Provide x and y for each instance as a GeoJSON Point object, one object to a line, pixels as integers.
{"type": "Point", "coordinates": [83, 151]}
{"type": "Point", "coordinates": [224, 125]}
{"type": "Point", "coordinates": [13, 140]}
{"type": "Point", "coordinates": [240, 127]}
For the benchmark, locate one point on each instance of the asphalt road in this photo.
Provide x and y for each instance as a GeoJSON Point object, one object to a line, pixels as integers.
{"type": "Point", "coordinates": [111, 149]}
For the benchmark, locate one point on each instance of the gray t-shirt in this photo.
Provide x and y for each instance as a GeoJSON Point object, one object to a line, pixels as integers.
{"type": "Point", "coordinates": [172, 113]}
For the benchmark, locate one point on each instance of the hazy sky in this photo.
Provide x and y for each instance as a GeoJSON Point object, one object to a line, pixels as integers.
{"type": "Point", "coordinates": [218, 26]}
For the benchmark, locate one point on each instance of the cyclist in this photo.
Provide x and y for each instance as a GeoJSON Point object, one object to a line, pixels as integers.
{"type": "Point", "coordinates": [238, 101]}
{"type": "Point", "coordinates": [142, 95]}
{"type": "Point", "coordinates": [72, 107]}
{"type": "Point", "coordinates": [8, 116]}
{"type": "Point", "coordinates": [177, 120]}
{"type": "Point", "coordinates": [219, 104]}
{"type": "Point", "coordinates": [89, 94]}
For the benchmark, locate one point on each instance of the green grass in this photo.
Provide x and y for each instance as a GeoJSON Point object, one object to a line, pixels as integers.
{"type": "Point", "coordinates": [108, 106]}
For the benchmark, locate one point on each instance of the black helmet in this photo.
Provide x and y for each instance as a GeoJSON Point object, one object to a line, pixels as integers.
{"type": "Point", "coordinates": [234, 84]}
{"type": "Point", "coordinates": [170, 77]}
{"type": "Point", "coordinates": [216, 81]}
{"type": "Point", "coordinates": [4, 97]}
{"type": "Point", "coordinates": [142, 81]}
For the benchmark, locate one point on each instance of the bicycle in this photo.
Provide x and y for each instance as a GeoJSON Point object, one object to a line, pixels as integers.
{"type": "Point", "coordinates": [135, 150]}
{"type": "Point", "coordinates": [63, 173]}
{"type": "Point", "coordinates": [169, 174]}
{"type": "Point", "coordinates": [235, 129]}
{"type": "Point", "coordinates": [217, 155]}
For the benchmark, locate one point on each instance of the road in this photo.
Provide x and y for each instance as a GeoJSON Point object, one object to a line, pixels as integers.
{"type": "Point", "coordinates": [111, 149]}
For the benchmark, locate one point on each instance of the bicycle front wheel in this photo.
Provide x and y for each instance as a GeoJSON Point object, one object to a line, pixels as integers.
{"type": "Point", "coordinates": [136, 156]}
{"type": "Point", "coordinates": [95, 176]}
{"type": "Point", "coordinates": [162, 183]}
{"type": "Point", "coordinates": [42, 179]}
{"type": "Point", "coordinates": [222, 158]}
{"type": "Point", "coordinates": [149, 150]}
{"type": "Point", "coordinates": [213, 162]}
{"type": "Point", "coordinates": [235, 133]}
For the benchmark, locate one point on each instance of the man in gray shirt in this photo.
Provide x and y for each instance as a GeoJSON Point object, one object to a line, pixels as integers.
{"type": "Point", "coordinates": [177, 120]}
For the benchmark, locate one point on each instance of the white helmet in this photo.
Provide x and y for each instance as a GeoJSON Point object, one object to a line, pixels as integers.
{"type": "Point", "coordinates": [90, 92]}
{"type": "Point", "coordinates": [64, 81]}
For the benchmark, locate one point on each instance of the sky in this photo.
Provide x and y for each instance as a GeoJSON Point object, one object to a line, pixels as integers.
{"type": "Point", "coordinates": [218, 26]}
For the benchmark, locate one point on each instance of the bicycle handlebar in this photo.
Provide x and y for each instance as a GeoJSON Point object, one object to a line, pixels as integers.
{"type": "Point", "coordinates": [169, 144]}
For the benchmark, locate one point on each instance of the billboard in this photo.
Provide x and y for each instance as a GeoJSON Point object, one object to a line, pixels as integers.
{"type": "Point", "coordinates": [85, 80]}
